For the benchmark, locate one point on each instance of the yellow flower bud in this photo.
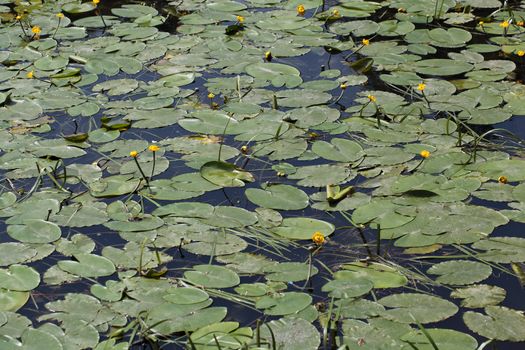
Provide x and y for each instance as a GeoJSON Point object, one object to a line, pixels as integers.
{"type": "Point", "coordinates": [424, 153]}
{"type": "Point", "coordinates": [318, 238]}
{"type": "Point", "coordinates": [133, 154]}
{"type": "Point", "coordinates": [153, 148]}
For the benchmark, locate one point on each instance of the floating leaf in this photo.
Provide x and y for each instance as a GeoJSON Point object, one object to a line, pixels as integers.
{"type": "Point", "coordinates": [211, 276]}
{"type": "Point", "coordinates": [415, 307]}
{"type": "Point", "coordinates": [499, 323]}
{"type": "Point", "coordinates": [480, 295]}
{"type": "Point", "coordinates": [225, 174]}
{"type": "Point", "coordinates": [303, 228]}
{"type": "Point", "coordinates": [460, 272]}
{"type": "Point", "coordinates": [282, 197]}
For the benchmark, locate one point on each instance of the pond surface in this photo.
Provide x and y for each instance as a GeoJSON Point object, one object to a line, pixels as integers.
{"type": "Point", "coordinates": [262, 174]}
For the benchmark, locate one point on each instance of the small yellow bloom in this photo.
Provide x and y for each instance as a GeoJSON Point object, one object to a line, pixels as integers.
{"type": "Point", "coordinates": [401, 10]}
{"type": "Point", "coordinates": [133, 154]}
{"type": "Point", "coordinates": [503, 179]}
{"type": "Point", "coordinates": [36, 30]}
{"type": "Point", "coordinates": [520, 23]}
{"type": "Point", "coordinates": [240, 19]}
{"type": "Point", "coordinates": [421, 87]}
{"type": "Point", "coordinates": [211, 95]}
{"type": "Point", "coordinates": [318, 238]}
{"type": "Point", "coordinates": [60, 15]}
{"type": "Point", "coordinates": [18, 17]}
{"type": "Point", "coordinates": [153, 148]}
{"type": "Point", "coordinates": [343, 86]}
{"type": "Point", "coordinates": [424, 153]}
{"type": "Point", "coordinates": [244, 149]}
{"type": "Point", "coordinates": [268, 55]}
{"type": "Point", "coordinates": [481, 23]}
{"type": "Point", "coordinates": [30, 74]}
{"type": "Point", "coordinates": [300, 10]}
{"type": "Point", "coordinates": [504, 24]}
{"type": "Point", "coordinates": [372, 98]}
{"type": "Point", "coordinates": [520, 53]}
{"type": "Point", "coordinates": [366, 42]}
{"type": "Point", "coordinates": [96, 2]}
{"type": "Point", "coordinates": [336, 13]}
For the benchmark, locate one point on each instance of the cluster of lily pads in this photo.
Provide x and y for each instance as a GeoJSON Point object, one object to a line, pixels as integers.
{"type": "Point", "coordinates": [193, 178]}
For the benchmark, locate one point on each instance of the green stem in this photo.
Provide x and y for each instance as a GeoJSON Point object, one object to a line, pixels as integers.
{"type": "Point", "coordinates": [141, 172]}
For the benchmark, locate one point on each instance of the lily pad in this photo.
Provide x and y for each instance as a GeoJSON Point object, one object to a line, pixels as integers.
{"type": "Point", "coordinates": [284, 197]}
{"type": "Point", "coordinates": [225, 174]}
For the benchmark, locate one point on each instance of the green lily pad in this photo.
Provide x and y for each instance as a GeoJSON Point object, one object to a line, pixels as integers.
{"type": "Point", "coordinates": [441, 67]}
{"type": "Point", "coordinates": [460, 272]}
{"type": "Point", "coordinates": [88, 265]}
{"type": "Point", "coordinates": [185, 296]}
{"type": "Point", "coordinates": [382, 276]}
{"type": "Point", "coordinates": [35, 231]}
{"type": "Point", "coordinates": [211, 276]}
{"type": "Point", "coordinates": [499, 323]}
{"type": "Point", "coordinates": [303, 228]}
{"type": "Point", "coordinates": [442, 338]}
{"type": "Point", "coordinates": [479, 295]}
{"type": "Point", "coordinates": [284, 303]}
{"type": "Point", "coordinates": [292, 334]}
{"type": "Point", "coordinates": [225, 174]}
{"type": "Point", "coordinates": [412, 307]}
{"type": "Point", "coordinates": [284, 197]}
{"type": "Point", "coordinates": [12, 300]}
{"type": "Point", "coordinates": [19, 278]}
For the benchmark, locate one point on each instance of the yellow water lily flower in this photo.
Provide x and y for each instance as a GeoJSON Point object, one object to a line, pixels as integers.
{"type": "Point", "coordinates": [343, 86]}
{"type": "Point", "coordinates": [60, 15]}
{"type": "Point", "coordinates": [336, 13]}
{"type": "Point", "coordinates": [424, 153]}
{"type": "Point", "coordinates": [503, 179]}
{"type": "Point", "coordinates": [36, 30]}
{"type": "Point", "coordinates": [153, 148]}
{"type": "Point", "coordinates": [268, 55]}
{"type": "Point", "coordinates": [18, 17]}
{"type": "Point", "coordinates": [96, 2]}
{"type": "Point", "coordinates": [504, 24]}
{"type": "Point", "coordinates": [421, 87]}
{"type": "Point", "coordinates": [133, 154]}
{"type": "Point", "coordinates": [300, 10]}
{"type": "Point", "coordinates": [318, 238]}
{"type": "Point", "coordinates": [240, 19]}
{"type": "Point", "coordinates": [365, 42]}
{"type": "Point", "coordinates": [30, 74]}
{"type": "Point", "coordinates": [520, 53]}
{"type": "Point", "coordinates": [372, 98]}
{"type": "Point", "coordinates": [211, 95]}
